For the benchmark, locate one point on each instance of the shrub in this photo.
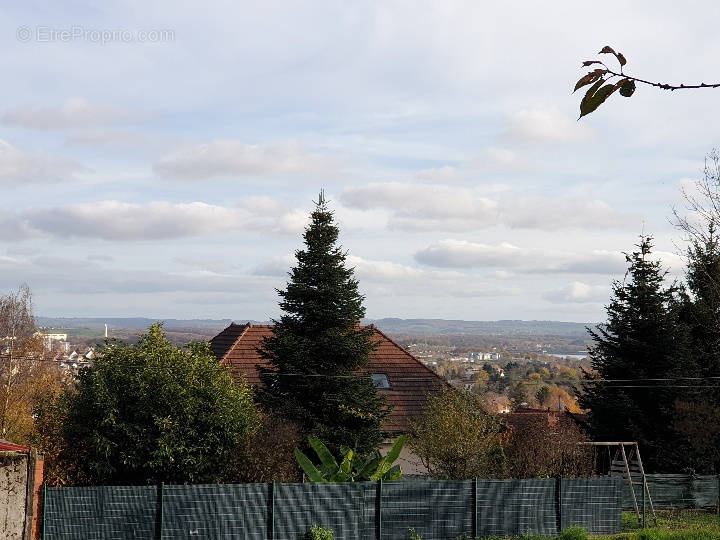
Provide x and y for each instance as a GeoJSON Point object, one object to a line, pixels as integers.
{"type": "Point", "coordinates": [152, 412]}
{"type": "Point", "coordinates": [317, 532]}
{"type": "Point", "coordinates": [251, 462]}
{"type": "Point", "coordinates": [573, 533]}
{"type": "Point", "coordinates": [457, 439]}
{"type": "Point", "coordinates": [538, 448]}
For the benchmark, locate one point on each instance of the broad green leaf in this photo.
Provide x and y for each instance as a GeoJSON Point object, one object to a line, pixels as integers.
{"type": "Point", "coordinates": [621, 59]}
{"type": "Point", "coordinates": [607, 49]}
{"type": "Point", "coordinates": [394, 473]}
{"type": "Point", "coordinates": [397, 447]}
{"type": "Point", "coordinates": [368, 469]}
{"type": "Point", "coordinates": [323, 453]}
{"type": "Point", "coordinates": [308, 468]}
{"type": "Point", "coordinates": [346, 465]}
{"type": "Point", "coordinates": [387, 461]}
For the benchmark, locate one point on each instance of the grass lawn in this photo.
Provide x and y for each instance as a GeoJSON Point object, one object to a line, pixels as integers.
{"type": "Point", "coordinates": [671, 525]}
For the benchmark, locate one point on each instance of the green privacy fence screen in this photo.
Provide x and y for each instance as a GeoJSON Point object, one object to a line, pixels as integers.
{"type": "Point", "coordinates": [678, 491]}
{"type": "Point", "coordinates": [383, 510]}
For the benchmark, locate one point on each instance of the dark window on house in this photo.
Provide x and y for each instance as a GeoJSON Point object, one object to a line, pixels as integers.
{"type": "Point", "coordinates": [381, 382]}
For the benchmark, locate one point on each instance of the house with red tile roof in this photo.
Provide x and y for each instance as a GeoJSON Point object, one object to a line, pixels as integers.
{"type": "Point", "coordinates": [404, 381]}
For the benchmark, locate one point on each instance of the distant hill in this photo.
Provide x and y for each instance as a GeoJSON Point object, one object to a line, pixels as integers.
{"type": "Point", "coordinates": [493, 328]}
{"type": "Point", "coordinates": [139, 323]}
{"type": "Point", "coordinates": [389, 325]}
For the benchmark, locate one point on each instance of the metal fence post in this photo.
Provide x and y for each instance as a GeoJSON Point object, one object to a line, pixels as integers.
{"type": "Point", "coordinates": [271, 511]}
{"type": "Point", "coordinates": [160, 511]}
{"type": "Point", "coordinates": [558, 503]}
{"type": "Point", "coordinates": [475, 508]}
{"type": "Point", "coordinates": [378, 510]}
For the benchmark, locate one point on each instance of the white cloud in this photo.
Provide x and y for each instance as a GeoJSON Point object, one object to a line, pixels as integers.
{"type": "Point", "coordinates": [420, 201]}
{"type": "Point", "coordinates": [422, 207]}
{"type": "Point", "coordinates": [550, 214]}
{"type": "Point", "coordinates": [463, 254]}
{"type": "Point", "coordinates": [546, 124]}
{"type": "Point", "coordinates": [387, 278]}
{"type": "Point", "coordinates": [74, 113]}
{"type": "Point", "coordinates": [67, 276]}
{"type": "Point", "coordinates": [17, 166]}
{"type": "Point", "coordinates": [125, 139]}
{"type": "Point", "coordinates": [579, 293]}
{"type": "Point", "coordinates": [445, 174]}
{"type": "Point", "coordinates": [275, 267]}
{"type": "Point", "coordinates": [231, 157]}
{"type": "Point", "coordinates": [116, 220]}
{"type": "Point", "coordinates": [497, 159]}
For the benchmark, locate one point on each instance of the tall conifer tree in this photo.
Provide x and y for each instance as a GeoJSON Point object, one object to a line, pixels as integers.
{"type": "Point", "coordinates": [643, 339]}
{"type": "Point", "coordinates": [317, 350]}
{"type": "Point", "coordinates": [698, 411]}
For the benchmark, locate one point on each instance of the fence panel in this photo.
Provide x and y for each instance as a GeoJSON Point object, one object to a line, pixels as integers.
{"type": "Point", "coordinates": [515, 507]}
{"type": "Point", "coordinates": [592, 503]}
{"type": "Point", "coordinates": [216, 511]}
{"type": "Point", "coordinates": [342, 507]}
{"type": "Point", "coordinates": [676, 491]}
{"type": "Point", "coordinates": [435, 509]}
{"type": "Point", "coordinates": [107, 512]}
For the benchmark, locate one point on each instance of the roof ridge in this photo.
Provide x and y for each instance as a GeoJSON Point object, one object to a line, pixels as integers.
{"type": "Point", "coordinates": [409, 354]}
{"type": "Point", "coordinates": [240, 335]}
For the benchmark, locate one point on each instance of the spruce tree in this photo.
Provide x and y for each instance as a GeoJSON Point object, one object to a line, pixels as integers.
{"type": "Point", "coordinates": [643, 339]}
{"type": "Point", "coordinates": [702, 312]}
{"type": "Point", "coordinates": [698, 411]}
{"type": "Point", "coordinates": [318, 350]}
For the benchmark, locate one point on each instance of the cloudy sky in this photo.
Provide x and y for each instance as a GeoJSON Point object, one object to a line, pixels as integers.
{"type": "Point", "coordinates": [160, 159]}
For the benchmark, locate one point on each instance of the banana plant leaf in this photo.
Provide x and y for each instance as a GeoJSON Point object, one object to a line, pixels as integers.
{"type": "Point", "coordinates": [386, 462]}
{"type": "Point", "coordinates": [326, 457]}
{"type": "Point", "coordinates": [308, 468]}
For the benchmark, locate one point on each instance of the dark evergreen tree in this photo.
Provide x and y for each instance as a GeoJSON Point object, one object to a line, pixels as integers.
{"type": "Point", "coordinates": [318, 350]}
{"type": "Point", "coordinates": [643, 339]}
{"type": "Point", "coordinates": [703, 305]}
{"type": "Point", "coordinates": [698, 410]}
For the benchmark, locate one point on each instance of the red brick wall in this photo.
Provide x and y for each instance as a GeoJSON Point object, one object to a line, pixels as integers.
{"type": "Point", "coordinates": [37, 498]}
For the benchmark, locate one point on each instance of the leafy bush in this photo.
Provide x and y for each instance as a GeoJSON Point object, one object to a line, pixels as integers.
{"type": "Point", "coordinates": [318, 532]}
{"type": "Point", "coordinates": [573, 533]}
{"type": "Point", "coordinates": [414, 535]}
{"type": "Point", "coordinates": [250, 462]}
{"type": "Point", "coordinates": [152, 412]}
{"type": "Point", "coordinates": [536, 449]}
{"type": "Point", "coordinates": [457, 439]}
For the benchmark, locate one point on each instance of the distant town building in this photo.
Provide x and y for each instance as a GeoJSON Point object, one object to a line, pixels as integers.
{"type": "Point", "coordinates": [51, 338]}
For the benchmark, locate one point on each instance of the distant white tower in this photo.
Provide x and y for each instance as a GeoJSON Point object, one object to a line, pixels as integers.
{"type": "Point", "coordinates": [105, 330]}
